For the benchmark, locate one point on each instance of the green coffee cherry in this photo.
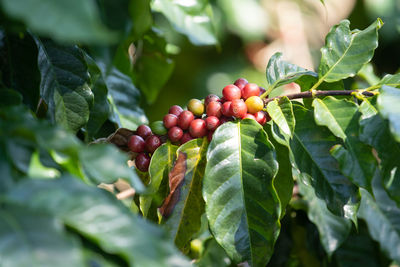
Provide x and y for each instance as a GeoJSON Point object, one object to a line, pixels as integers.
{"type": "Point", "coordinates": [196, 107]}
{"type": "Point", "coordinates": [158, 128]}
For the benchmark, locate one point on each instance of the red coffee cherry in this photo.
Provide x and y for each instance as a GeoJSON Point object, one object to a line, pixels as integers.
{"type": "Point", "coordinates": [251, 89]}
{"type": "Point", "coordinates": [212, 123]}
{"type": "Point", "coordinates": [198, 128]}
{"type": "Point", "coordinates": [224, 119]}
{"type": "Point", "coordinates": [175, 109]}
{"type": "Point", "coordinates": [226, 108]}
{"type": "Point", "coordinates": [186, 138]}
{"type": "Point", "coordinates": [231, 92]}
{"type": "Point", "coordinates": [240, 83]}
{"type": "Point", "coordinates": [214, 109]}
{"type": "Point", "coordinates": [185, 119]}
{"type": "Point", "coordinates": [238, 108]}
{"type": "Point", "coordinates": [210, 136]}
{"type": "Point", "coordinates": [175, 134]}
{"type": "Point", "coordinates": [170, 120]}
{"type": "Point", "coordinates": [262, 117]}
{"type": "Point", "coordinates": [136, 143]}
{"type": "Point", "coordinates": [144, 131]}
{"type": "Point", "coordinates": [152, 143]}
{"type": "Point", "coordinates": [249, 116]}
{"type": "Point", "coordinates": [211, 98]}
{"type": "Point", "coordinates": [142, 162]}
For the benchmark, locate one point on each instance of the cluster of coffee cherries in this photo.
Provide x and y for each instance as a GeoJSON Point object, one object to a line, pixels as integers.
{"type": "Point", "coordinates": [240, 100]}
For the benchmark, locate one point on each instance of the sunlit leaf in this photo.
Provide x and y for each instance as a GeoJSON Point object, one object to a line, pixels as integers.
{"type": "Point", "coordinates": [388, 100]}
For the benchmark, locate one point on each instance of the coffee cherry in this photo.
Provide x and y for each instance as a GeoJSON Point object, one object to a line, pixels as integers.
{"type": "Point", "coordinates": [198, 128]}
{"type": "Point", "coordinates": [158, 128]}
{"type": "Point", "coordinates": [210, 136]}
{"type": "Point", "coordinates": [254, 104]}
{"type": "Point", "coordinates": [185, 119]}
{"type": "Point", "coordinates": [175, 134]}
{"type": "Point", "coordinates": [214, 109]}
{"type": "Point", "coordinates": [170, 120]}
{"type": "Point", "coordinates": [231, 92]}
{"type": "Point", "coordinates": [196, 107]}
{"type": "Point", "coordinates": [211, 98]}
{"type": "Point", "coordinates": [249, 116]}
{"type": "Point", "coordinates": [186, 138]}
{"type": "Point", "coordinates": [251, 89]}
{"type": "Point", "coordinates": [144, 131]}
{"type": "Point", "coordinates": [136, 143]}
{"type": "Point", "coordinates": [226, 108]}
{"type": "Point", "coordinates": [262, 117]}
{"type": "Point", "coordinates": [152, 143]}
{"type": "Point", "coordinates": [175, 109]}
{"type": "Point", "coordinates": [142, 162]}
{"type": "Point", "coordinates": [224, 119]}
{"type": "Point", "coordinates": [212, 123]}
{"type": "Point", "coordinates": [238, 108]}
{"type": "Point", "coordinates": [240, 83]}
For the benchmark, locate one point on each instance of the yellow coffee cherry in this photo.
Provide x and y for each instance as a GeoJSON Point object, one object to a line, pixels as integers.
{"type": "Point", "coordinates": [254, 104]}
{"type": "Point", "coordinates": [196, 107]}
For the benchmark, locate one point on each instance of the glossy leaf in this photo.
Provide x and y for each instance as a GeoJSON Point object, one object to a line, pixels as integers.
{"type": "Point", "coordinates": [382, 217]}
{"type": "Point", "coordinates": [31, 238]}
{"type": "Point", "coordinates": [192, 20]}
{"type": "Point", "coordinates": [342, 119]}
{"type": "Point", "coordinates": [281, 112]}
{"type": "Point", "coordinates": [388, 100]}
{"type": "Point", "coordinates": [99, 216]}
{"type": "Point", "coordinates": [310, 148]}
{"type": "Point", "coordinates": [65, 21]}
{"type": "Point", "coordinates": [280, 72]}
{"type": "Point", "coordinates": [333, 230]}
{"type": "Point", "coordinates": [375, 132]}
{"type": "Point", "coordinates": [213, 255]}
{"type": "Point", "coordinates": [161, 164]}
{"type": "Point", "coordinates": [65, 84]}
{"type": "Point", "coordinates": [345, 51]}
{"type": "Point", "coordinates": [187, 205]}
{"type": "Point", "coordinates": [242, 205]}
{"type": "Point", "coordinates": [390, 80]}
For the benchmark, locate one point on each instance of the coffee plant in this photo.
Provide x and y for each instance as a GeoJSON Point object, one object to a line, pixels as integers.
{"type": "Point", "coordinates": [246, 178]}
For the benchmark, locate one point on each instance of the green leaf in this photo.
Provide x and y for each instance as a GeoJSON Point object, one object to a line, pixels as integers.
{"type": "Point", "coordinates": [382, 217]}
{"type": "Point", "coordinates": [368, 74]}
{"type": "Point", "coordinates": [345, 51]}
{"type": "Point", "coordinates": [390, 80]}
{"type": "Point", "coordinates": [281, 112]}
{"type": "Point", "coordinates": [213, 255]}
{"type": "Point", "coordinates": [192, 20]}
{"type": "Point", "coordinates": [388, 100]}
{"type": "Point", "coordinates": [333, 230]}
{"type": "Point", "coordinates": [310, 148]}
{"type": "Point", "coordinates": [65, 21]}
{"type": "Point", "coordinates": [242, 205]}
{"type": "Point", "coordinates": [30, 238]}
{"type": "Point", "coordinates": [184, 206]}
{"type": "Point", "coordinates": [153, 61]}
{"type": "Point", "coordinates": [342, 119]}
{"type": "Point", "coordinates": [10, 97]}
{"type": "Point", "coordinates": [140, 12]}
{"type": "Point", "coordinates": [65, 84]}
{"type": "Point", "coordinates": [280, 72]}
{"type": "Point", "coordinates": [124, 98]}
{"type": "Point", "coordinates": [161, 164]}
{"type": "Point", "coordinates": [99, 216]}
{"type": "Point", "coordinates": [374, 131]}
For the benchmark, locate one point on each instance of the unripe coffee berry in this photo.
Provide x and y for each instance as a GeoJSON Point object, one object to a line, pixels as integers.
{"type": "Point", "coordinates": [142, 162]}
{"type": "Point", "coordinates": [251, 89]}
{"type": "Point", "coordinates": [212, 123]}
{"type": "Point", "coordinates": [185, 119]}
{"type": "Point", "coordinates": [158, 128]}
{"type": "Point", "coordinates": [214, 109]}
{"type": "Point", "coordinates": [143, 131]}
{"type": "Point", "coordinates": [136, 143]}
{"type": "Point", "coordinates": [231, 92]}
{"type": "Point", "coordinates": [211, 98]}
{"type": "Point", "coordinates": [175, 109]}
{"type": "Point", "coordinates": [198, 128]}
{"type": "Point", "coordinates": [170, 120]}
{"type": "Point", "coordinates": [238, 108]}
{"type": "Point", "coordinates": [254, 104]}
{"type": "Point", "coordinates": [152, 143]}
{"type": "Point", "coordinates": [240, 83]}
{"type": "Point", "coordinates": [175, 134]}
{"type": "Point", "coordinates": [196, 107]}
